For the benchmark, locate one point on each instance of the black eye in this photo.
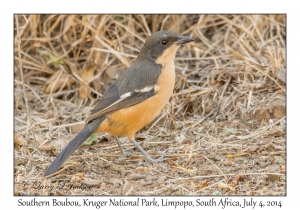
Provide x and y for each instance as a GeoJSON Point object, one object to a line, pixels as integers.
{"type": "Point", "coordinates": [164, 42]}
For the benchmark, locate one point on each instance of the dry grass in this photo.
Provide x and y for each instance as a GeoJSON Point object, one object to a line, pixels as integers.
{"type": "Point", "coordinates": [224, 128]}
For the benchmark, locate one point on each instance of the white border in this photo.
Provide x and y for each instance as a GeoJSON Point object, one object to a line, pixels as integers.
{"type": "Point", "coordinates": [151, 6]}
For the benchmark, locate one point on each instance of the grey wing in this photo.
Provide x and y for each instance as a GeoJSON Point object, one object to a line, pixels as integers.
{"type": "Point", "coordinates": [135, 85]}
{"type": "Point", "coordinates": [112, 101]}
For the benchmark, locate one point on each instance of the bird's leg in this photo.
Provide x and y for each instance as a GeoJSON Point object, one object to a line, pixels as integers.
{"type": "Point", "coordinates": [124, 153]}
{"type": "Point", "coordinates": [146, 154]}
{"type": "Point", "coordinates": [120, 146]}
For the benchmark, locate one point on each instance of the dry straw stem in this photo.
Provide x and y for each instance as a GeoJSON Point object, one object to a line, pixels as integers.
{"type": "Point", "coordinates": [229, 98]}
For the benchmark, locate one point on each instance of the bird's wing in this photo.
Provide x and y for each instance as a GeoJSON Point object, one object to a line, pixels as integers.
{"type": "Point", "coordinates": [134, 86]}
{"type": "Point", "coordinates": [112, 101]}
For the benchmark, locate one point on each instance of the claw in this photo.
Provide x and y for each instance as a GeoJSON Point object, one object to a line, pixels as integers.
{"type": "Point", "coordinates": [142, 151]}
{"type": "Point", "coordinates": [125, 154]}
{"type": "Point", "coordinates": [161, 158]}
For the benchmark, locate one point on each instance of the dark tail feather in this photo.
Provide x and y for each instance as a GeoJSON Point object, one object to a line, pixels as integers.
{"type": "Point", "coordinates": [87, 131]}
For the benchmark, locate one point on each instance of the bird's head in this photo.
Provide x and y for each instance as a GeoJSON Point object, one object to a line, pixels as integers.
{"type": "Point", "coordinates": [163, 44]}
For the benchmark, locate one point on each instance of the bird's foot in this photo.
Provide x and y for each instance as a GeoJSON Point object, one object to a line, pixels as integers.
{"type": "Point", "coordinates": [161, 158]}
{"type": "Point", "coordinates": [125, 154]}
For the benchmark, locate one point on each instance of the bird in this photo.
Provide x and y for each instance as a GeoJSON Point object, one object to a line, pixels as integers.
{"type": "Point", "coordinates": [135, 98]}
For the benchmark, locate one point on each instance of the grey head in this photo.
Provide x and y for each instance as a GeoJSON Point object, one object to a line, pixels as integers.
{"type": "Point", "coordinates": [158, 42]}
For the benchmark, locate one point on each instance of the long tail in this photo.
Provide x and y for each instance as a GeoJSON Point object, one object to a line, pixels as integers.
{"type": "Point", "coordinates": [86, 132]}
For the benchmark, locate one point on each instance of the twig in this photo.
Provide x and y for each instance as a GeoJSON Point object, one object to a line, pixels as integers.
{"type": "Point", "coordinates": [21, 72]}
{"type": "Point", "coordinates": [258, 133]}
{"type": "Point", "coordinates": [277, 153]}
{"type": "Point", "coordinates": [200, 121]}
{"type": "Point", "coordinates": [218, 175]}
{"type": "Point", "coordinates": [133, 156]}
{"type": "Point", "coordinates": [221, 97]}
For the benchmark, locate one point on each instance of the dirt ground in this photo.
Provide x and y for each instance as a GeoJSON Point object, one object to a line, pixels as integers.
{"type": "Point", "coordinates": [223, 130]}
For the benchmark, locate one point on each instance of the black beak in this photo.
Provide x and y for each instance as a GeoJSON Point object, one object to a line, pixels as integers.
{"type": "Point", "coordinates": [184, 40]}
